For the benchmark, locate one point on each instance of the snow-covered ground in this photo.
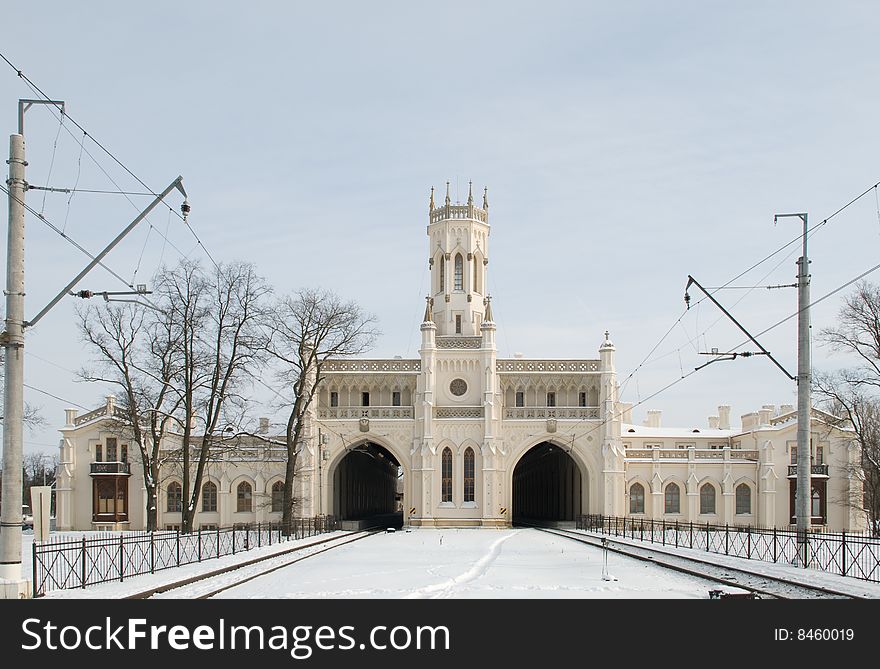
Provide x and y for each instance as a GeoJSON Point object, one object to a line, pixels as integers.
{"type": "Point", "coordinates": [470, 563]}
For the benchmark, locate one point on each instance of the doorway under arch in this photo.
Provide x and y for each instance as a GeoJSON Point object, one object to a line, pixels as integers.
{"type": "Point", "coordinates": [368, 485]}
{"type": "Point", "coordinates": [547, 486]}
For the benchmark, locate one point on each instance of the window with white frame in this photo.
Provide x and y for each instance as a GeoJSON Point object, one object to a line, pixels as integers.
{"type": "Point", "coordinates": [637, 498]}
{"type": "Point", "coordinates": [707, 498]}
{"type": "Point", "coordinates": [244, 497]}
{"type": "Point", "coordinates": [446, 475]}
{"type": "Point", "coordinates": [174, 497]}
{"type": "Point", "coordinates": [743, 498]}
{"type": "Point", "coordinates": [672, 499]}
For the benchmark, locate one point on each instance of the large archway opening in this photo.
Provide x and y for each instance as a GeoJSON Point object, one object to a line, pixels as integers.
{"type": "Point", "coordinates": [546, 486]}
{"type": "Point", "coordinates": [368, 487]}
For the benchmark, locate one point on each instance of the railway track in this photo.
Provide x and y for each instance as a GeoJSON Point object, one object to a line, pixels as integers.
{"type": "Point", "coordinates": [762, 585]}
{"type": "Point", "coordinates": [207, 585]}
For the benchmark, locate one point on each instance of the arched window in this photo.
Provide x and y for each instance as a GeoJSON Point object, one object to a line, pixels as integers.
{"type": "Point", "coordinates": [277, 496]}
{"type": "Point", "coordinates": [209, 496]}
{"type": "Point", "coordinates": [459, 272]}
{"type": "Point", "coordinates": [743, 498]}
{"type": "Point", "coordinates": [175, 497]}
{"type": "Point", "coordinates": [816, 504]}
{"type": "Point", "coordinates": [672, 499]}
{"type": "Point", "coordinates": [442, 286]}
{"type": "Point", "coordinates": [469, 475]}
{"type": "Point", "coordinates": [244, 497]}
{"type": "Point", "coordinates": [446, 476]}
{"type": "Point", "coordinates": [707, 498]}
{"type": "Point", "coordinates": [637, 498]}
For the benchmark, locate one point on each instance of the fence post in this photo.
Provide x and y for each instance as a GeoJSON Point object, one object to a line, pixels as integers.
{"type": "Point", "coordinates": [642, 530]}
{"type": "Point", "coordinates": [233, 538]}
{"type": "Point", "coordinates": [83, 573]}
{"type": "Point", "coordinates": [842, 555]}
{"type": "Point", "coordinates": [676, 534]}
{"type": "Point", "coordinates": [177, 543]}
{"type": "Point", "coordinates": [691, 532]}
{"type": "Point", "coordinates": [218, 539]}
{"type": "Point", "coordinates": [200, 543]}
{"type": "Point", "coordinates": [247, 537]}
{"type": "Point", "coordinates": [259, 536]}
{"type": "Point", "coordinates": [34, 565]}
{"type": "Point", "coordinates": [726, 539]}
{"type": "Point", "coordinates": [663, 529]}
{"type": "Point", "coordinates": [749, 542]}
{"type": "Point", "coordinates": [152, 552]}
{"type": "Point", "coordinates": [774, 543]}
{"type": "Point", "coordinates": [707, 538]}
{"type": "Point", "coordinates": [121, 557]}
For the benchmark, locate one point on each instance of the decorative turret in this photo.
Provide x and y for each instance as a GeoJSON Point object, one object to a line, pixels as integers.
{"type": "Point", "coordinates": [458, 258]}
{"type": "Point", "coordinates": [606, 354]}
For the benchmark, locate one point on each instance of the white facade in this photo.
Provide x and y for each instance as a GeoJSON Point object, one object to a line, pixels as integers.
{"type": "Point", "coordinates": [478, 440]}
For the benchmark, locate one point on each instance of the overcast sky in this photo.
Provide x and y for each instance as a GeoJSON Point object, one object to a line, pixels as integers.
{"type": "Point", "coordinates": [624, 146]}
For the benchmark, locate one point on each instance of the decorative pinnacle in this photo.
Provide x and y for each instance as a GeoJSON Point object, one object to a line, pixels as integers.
{"type": "Point", "coordinates": [485, 198]}
{"type": "Point", "coordinates": [470, 195]}
{"type": "Point", "coordinates": [447, 194]}
{"type": "Point", "coordinates": [607, 343]}
{"type": "Point", "coordinates": [431, 203]}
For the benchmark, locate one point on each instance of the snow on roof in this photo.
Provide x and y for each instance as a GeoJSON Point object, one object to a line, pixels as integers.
{"type": "Point", "coordinates": [673, 432]}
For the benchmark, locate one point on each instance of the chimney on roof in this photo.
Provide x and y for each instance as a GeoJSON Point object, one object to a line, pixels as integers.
{"type": "Point", "coordinates": [653, 418]}
{"type": "Point", "coordinates": [785, 408]}
{"type": "Point", "coordinates": [766, 413]}
{"type": "Point", "coordinates": [724, 417]}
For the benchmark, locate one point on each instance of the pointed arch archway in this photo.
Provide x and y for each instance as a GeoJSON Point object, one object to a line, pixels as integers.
{"type": "Point", "coordinates": [366, 481]}
{"type": "Point", "coordinates": [548, 485]}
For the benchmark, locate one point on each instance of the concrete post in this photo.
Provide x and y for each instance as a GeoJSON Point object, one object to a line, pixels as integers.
{"type": "Point", "coordinates": [13, 411]}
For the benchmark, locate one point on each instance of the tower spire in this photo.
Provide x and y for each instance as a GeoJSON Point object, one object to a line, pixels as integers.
{"type": "Point", "coordinates": [431, 203]}
{"type": "Point", "coordinates": [447, 194]}
{"type": "Point", "coordinates": [485, 198]}
{"type": "Point", "coordinates": [470, 200]}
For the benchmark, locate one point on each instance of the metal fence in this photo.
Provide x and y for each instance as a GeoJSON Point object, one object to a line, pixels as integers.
{"type": "Point", "coordinates": [854, 554]}
{"type": "Point", "coordinates": [76, 563]}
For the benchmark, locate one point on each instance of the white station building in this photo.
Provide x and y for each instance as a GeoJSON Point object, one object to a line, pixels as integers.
{"type": "Point", "coordinates": [461, 437]}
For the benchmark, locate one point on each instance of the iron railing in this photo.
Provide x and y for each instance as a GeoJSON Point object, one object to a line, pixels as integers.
{"type": "Point", "coordinates": [855, 554]}
{"type": "Point", "coordinates": [76, 563]}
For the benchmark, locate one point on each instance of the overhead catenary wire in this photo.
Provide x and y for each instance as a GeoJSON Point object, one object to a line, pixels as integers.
{"type": "Point", "coordinates": [113, 157]}
{"type": "Point", "coordinates": [63, 234]}
{"type": "Point", "coordinates": [60, 399]}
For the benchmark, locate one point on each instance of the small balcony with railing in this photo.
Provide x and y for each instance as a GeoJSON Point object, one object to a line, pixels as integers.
{"type": "Point", "coordinates": [816, 471]}
{"type": "Point", "coordinates": [110, 468]}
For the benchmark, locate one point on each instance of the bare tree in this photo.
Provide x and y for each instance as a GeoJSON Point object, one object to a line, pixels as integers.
{"type": "Point", "coordinates": [220, 328]}
{"type": "Point", "coordinates": [137, 353]}
{"type": "Point", "coordinates": [854, 393]}
{"type": "Point", "coordinates": [307, 329]}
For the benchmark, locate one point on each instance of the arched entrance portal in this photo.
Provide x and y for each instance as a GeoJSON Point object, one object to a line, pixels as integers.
{"type": "Point", "coordinates": [546, 486]}
{"type": "Point", "coordinates": [366, 486]}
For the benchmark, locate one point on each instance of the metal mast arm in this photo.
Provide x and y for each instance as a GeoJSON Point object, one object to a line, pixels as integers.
{"type": "Point", "coordinates": [177, 183]}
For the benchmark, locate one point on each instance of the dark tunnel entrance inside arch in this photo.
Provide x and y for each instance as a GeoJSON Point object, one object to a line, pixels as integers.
{"type": "Point", "coordinates": [546, 486]}
{"type": "Point", "coordinates": [367, 487]}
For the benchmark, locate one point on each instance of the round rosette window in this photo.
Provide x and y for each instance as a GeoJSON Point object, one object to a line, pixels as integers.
{"type": "Point", "coordinates": [458, 387]}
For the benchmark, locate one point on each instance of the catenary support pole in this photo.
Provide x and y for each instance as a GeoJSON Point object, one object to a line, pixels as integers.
{"type": "Point", "coordinates": [804, 381]}
{"type": "Point", "coordinates": [13, 348]}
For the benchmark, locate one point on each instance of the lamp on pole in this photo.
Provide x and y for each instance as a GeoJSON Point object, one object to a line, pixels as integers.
{"type": "Point", "coordinates": [804, 380]}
